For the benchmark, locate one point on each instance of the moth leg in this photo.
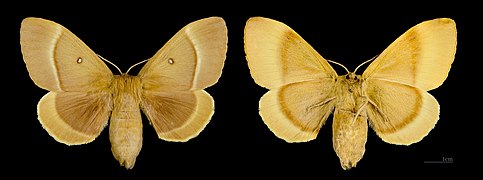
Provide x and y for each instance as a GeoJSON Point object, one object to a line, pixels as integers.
{"type": "Point", "coordinates": [386, 119]}
{"type": "Point", "coordinates": [320, 104]}
{"type": "Point", "coordinates": [365, 101]}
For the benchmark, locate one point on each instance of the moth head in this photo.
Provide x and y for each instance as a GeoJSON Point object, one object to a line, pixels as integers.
{"type": "Point", "coordinates": [352, 77]}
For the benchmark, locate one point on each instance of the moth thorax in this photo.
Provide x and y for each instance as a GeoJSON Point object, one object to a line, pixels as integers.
{"type": "Point", "coordinates": [126, 85]}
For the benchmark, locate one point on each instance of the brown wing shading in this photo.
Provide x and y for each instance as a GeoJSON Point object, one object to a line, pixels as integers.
{"type": "Point", "coordinates": [277, 55]}
{"type": "Point", "coordinates": [400, 114]}
{"type": "Point", "coordinates": [421, 57]}
{"type": "Point", "coordinates": [178, 116]}
{"type": "Point", "coordinates": [74, 118]}
{"type": "Point", "coordinates": [296, 112]}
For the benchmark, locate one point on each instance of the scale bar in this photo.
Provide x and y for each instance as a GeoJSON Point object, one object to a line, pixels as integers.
{"type": "Point", "coordinates": [438, 162]}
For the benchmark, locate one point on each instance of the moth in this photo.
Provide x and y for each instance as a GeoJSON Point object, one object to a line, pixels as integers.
{"type": "Point", "coordinates": [84, 94]}
{"type": "Point", "coordinates": [391, 94]}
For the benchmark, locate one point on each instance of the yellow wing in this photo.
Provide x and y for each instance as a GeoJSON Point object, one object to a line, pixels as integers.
{"type": "Point", "coordinates": [401, 111]}
{"type": "Point", "coordinates": [79, 106]}
{"type": "Point", "coordinates": [174, 78]}
{"type": "Point", "coordinates": [401, 114]}
{"type": "Point", "coordinates": [191, 60]}
{"type": "Point", "coordinates": [58, 61]}
{"type": "Point", "coordinates": [421, 57]}
{"type": "Point", "coordinates": [296, 112]}
{"type": "Point", "coordinates": [300, 80]}
{"type": "Point", "coordinates": [277, 55]}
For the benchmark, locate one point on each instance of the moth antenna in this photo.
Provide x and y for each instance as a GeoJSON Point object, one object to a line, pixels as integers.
{"type": "Point", "coordinates": [104, 59]}
{"type": "Point", "coordinates": [365, 63]}
{"type": "Point", "coordinates": [339, 65]}
{"type": "Point", "coordinates": [136, 65]}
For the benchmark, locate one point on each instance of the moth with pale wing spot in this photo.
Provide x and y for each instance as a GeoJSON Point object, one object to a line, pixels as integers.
{"type": "Point", "coordinates": [84, 93]}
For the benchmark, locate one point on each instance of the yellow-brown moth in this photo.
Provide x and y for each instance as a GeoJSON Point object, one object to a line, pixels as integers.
{"type": "Point", "coordinates": [391, 94]}
{"type": "Point", "coordinates": [84, 93]}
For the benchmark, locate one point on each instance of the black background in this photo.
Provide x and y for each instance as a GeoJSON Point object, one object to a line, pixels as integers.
{"type": "Point", "coordinates": [236, 142]}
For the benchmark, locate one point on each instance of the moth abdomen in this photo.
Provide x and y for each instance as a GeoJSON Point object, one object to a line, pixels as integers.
{"type": "Point", "coordinates": [125, 134]}
{"type": "Point", "coordinates": [349, 137]}
{"type": "Point", "coordinates": [125, 128]}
